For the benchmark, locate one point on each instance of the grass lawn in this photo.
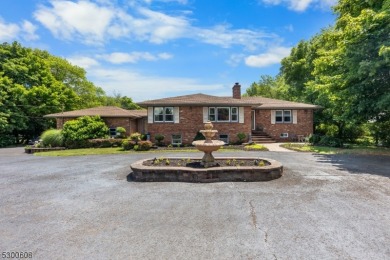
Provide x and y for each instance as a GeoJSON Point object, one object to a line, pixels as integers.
{"type": "Point", "coordinates": [353, 149]}
{"type": "Point", "coordinates": [115, 150]}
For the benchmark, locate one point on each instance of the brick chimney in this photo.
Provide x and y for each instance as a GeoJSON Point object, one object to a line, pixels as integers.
{"type": "Point", "coordinates": [237, 91]}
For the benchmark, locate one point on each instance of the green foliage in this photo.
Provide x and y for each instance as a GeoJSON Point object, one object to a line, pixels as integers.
{"type": "Point", "coordinates": [199, 136]}
{"type": "Point", "coordinates": [159, 138]}
{"type": "Point", "coordinates": [82, 129]}
{"type": "Point", "coordinates": [104, 143]}
{"type": "Point", "coordinates": [135, 137]}
{"type": "Point", "coordinates": [7, 140]}
{"type": "Point", "coordinates": [241, 137]}
{"type": "Point", "coordinates": [121, 131]}
{"type": "Point", "coordinates": [143, 146]}
{"type": "Point", "coordinates": [128, 145]}
{"type": "Point", "coordinates": [325, 140]}
{"type": "Point", "coordinates": [34, 83]}
{"type": "Point", "coordinates": [52, 138]}
{"type": "Point", "coordinates": [345, 69]}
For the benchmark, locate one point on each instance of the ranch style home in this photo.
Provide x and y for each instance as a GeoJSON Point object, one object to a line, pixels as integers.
{"type": "Point", "coordinates": [261, 119]}
{"type": "Point", "coordinates": [180, 118]}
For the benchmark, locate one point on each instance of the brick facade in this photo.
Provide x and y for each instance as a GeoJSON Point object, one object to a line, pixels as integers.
{"type": "Point", "coordinates": [191, 121]}
{"type": "Point", "coordinates": [304, 125]}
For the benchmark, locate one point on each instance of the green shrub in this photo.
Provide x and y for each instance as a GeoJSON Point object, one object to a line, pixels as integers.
{"type": "Point", "coordinates": [128, 145]}
{"type": "Point", "coordinates": [159, 138]}
{"type": "Point", "coordinates": [314, 139]}
{"type": "Point", "coordinates": [199, 136]}
{"type": "Point", "coordinates": [241, 137]}
{"type": "Point", "coordinates": [135, 137]}
{"type": "Point", "coordinates": [77, 131]}
{"type": "Point", "coordinates": [104, 143]}
{"type": "Point", "coordinates": [7, 140]}
{"type": "Point", "coordinates": [121, 132]}
{"type": "Point", "coordinates": [325, 140]}
{"type": "Point", "coordinates": [52, 138]}
{"type": "Point", "coordinates": [143, 146]}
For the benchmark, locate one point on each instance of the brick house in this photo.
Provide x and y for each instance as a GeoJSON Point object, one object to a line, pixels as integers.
{"type": "Point", "coordinates": [261, 119]}
{"type": "Point", "coordinates": [131, 120]}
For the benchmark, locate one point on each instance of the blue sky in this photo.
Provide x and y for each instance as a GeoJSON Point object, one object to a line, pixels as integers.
{"type": "Point", "coordinates": [147, 49]}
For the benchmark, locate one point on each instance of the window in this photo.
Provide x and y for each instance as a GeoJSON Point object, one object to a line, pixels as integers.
{"type": "Point", "coordinates": [163, 114]}
{"type": "Point", "coordinates": [212, 114]}
{"type": "Point", "coordinates": [112, 132]}
{"type": "Point", "coordinates": [223, 114]}
{"type": "Point", "coordinates": [176, 139]}
{"type": "Point", "coordinates": [224, 138]}
{"type": "Point", "coordinates": [283, 116]}
{"type": "Point", "coordinates": [284, 135]}
{"type": "Point", "coordinates": [234, 114]}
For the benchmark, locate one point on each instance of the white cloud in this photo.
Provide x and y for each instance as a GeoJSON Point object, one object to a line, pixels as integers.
{"type": "Point", "coordinates": [273, 56]}
{"type": "Point", "coordinates": [235, 59]}
{"type": "Point", "coordinates": [8, 31]}
{"type": "Point", "coordinates": [133, 57]}
{"type": "Point", "coordinates": [143, 87]}
{"type": "Point", "coordinates": [29, 31]}
{"type": "Point", "coordinates": [69, 20]}
{"type": "Point", "coordinates": [223, 36]}
{"type": "Point", "coordinates": [95, 23]}
{"type": "Point", "coordinates": [301, 5]}
{"type": "Point", "coordinates": [11, 31]}
{"type": "Point", "coordinates": [83, 62]}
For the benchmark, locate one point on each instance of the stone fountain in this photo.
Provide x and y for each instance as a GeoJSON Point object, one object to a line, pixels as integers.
{"type": "Point", "coordinates": [211, 171]}
{"type": "Point", "coordinates": [208, 146]}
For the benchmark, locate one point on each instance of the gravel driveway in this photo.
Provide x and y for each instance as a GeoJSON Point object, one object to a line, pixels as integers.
{"type": "Point", "coordinates": [324, 207]}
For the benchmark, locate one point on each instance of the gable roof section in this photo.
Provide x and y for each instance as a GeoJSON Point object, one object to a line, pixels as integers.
{"type": "Point", "coordinates": [270, 103]}
{"type": "Point", "coordinates": [103, 111]}
{"type": "Point", "coordinates": [208, 100]}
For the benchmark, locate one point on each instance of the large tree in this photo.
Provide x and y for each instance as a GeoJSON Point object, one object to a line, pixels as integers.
{"type": "Point", "coordinates": [34, 83]}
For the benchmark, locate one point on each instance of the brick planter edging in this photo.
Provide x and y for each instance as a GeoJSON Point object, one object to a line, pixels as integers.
{"type": "Point", "coordinates": [214, 174]}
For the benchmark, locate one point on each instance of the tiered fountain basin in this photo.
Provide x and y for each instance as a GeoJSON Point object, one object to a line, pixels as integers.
{"type": "Point", "coordinates": [193, 171]}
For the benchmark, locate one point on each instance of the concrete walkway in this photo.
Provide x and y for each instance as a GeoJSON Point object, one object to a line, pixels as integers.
{"type": "Point", "coordinates": [275, 147]}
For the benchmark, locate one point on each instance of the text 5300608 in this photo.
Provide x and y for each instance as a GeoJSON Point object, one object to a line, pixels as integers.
{"type": "Point", "coordinates": [14, 254]}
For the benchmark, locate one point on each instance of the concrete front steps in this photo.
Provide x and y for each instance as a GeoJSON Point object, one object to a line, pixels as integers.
{"type": "Point", "coordinates": [260, 137]}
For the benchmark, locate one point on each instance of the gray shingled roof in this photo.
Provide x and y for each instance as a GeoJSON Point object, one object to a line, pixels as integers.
{"type": "Point", "coordinates": [270, 103]}
{"type": "Point", "coordinates": [207, 100]}
{"type": "Point", "coordinates": [104, 111]}
{"type": "Point", "coordinates": [194, 100]}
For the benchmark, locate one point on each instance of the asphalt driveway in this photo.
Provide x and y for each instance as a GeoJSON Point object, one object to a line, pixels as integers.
{"type": "Point", "coordinates": [324, 207]}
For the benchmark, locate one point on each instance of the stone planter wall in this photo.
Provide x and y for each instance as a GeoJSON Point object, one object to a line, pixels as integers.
{"type": "Point", "coordinates": [213, 174]}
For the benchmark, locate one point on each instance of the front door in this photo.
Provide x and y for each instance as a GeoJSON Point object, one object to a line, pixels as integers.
{"type": "Point", "coordinates": [253, 119]}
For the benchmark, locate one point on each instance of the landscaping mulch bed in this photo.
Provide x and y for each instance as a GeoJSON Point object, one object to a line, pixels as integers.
{"type": "Point", "coordinates": [192, 163]}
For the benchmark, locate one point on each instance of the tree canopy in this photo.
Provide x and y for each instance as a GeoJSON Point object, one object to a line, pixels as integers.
{"type": "Point", "coordinates": [345, 69]}
{"type": "Point", "coordinates": [34, 83]}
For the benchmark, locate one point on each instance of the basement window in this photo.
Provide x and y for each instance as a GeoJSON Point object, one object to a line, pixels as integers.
{"type": "Point", "coordinates": [176, 139]}
{"type": "Point", "coordinates": [284, 135]}
{"type": "Point", "coordinates": [224, 138]}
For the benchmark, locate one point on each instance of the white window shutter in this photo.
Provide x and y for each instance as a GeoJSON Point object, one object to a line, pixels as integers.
{"type": "Point", "coordinates": [241, 115]}
{"type": "Point", "coordinates": [295, 116]}
{"type": "Point", "coordinates": [176, 115]}
{"type": "Point", "coordinates": [272, 116]}
{"type": "Point", "coordinates": [150, 115]}
{"type": "Point", "coordinates": [205, 114]}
